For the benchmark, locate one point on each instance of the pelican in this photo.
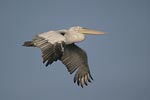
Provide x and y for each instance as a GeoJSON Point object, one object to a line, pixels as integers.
{"type": "Point", "coordinates": [60, 45]}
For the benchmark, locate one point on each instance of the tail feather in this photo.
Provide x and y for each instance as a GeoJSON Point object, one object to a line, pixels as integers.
{"type": "Point", "coordinates": [28, 44]}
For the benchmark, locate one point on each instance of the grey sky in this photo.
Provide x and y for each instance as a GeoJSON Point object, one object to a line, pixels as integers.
{"type": "Point", "coordinates": [119, 61]}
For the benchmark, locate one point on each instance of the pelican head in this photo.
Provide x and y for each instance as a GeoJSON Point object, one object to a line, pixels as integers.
{"type": "Point", "coordinates": [81, 30]}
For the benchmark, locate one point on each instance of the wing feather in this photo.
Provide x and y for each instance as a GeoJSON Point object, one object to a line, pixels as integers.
{"type": "Point", "coordinates": [74, 58]}
{"type": "Point", "coordinates": [51, 44]}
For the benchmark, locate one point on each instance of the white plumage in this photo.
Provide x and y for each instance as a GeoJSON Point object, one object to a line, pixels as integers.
{"type": "Point", "coordinates": [53, 37]}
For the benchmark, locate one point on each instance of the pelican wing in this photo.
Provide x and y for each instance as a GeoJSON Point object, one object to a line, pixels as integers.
{"type": "Point", "coordinates": [51, 44]}
{"type": "Point", "coordinates": [53, 37]}
{"type": "Point", "coordinates": [76, 59]}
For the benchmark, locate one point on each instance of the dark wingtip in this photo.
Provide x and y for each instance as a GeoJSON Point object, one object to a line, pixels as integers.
{"type": "Point", "coordinates": [28, 44]}
{"type": "Point", "coordinates": [91, 77]}
{"type": "Point", "coordinates": [74, 80]}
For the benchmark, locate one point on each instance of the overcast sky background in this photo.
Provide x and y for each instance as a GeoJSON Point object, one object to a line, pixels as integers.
{"type": "Point", "coordinates": [119, 60]}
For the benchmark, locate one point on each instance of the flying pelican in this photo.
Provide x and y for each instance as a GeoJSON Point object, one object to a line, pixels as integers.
{"type": "Point", "coordinates": [60, 45]}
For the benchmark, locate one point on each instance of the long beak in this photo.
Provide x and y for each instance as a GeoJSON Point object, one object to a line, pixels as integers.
{"type": "Point", "coordinates": [89, 31]}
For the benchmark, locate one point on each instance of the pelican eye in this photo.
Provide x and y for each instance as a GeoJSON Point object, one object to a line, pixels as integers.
{"type": "Point", "coordinates": [62, 33]}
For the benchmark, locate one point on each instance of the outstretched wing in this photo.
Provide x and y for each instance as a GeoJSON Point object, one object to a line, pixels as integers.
{"type": "Point", "coordinates": [74, 58]}
{"type": "Point", "coordinates": [51, 44]}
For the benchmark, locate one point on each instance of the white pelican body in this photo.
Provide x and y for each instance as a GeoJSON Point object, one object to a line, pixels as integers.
{"type": "Point", "coordinates": [59, 45]}
{"type": "Point", "coordinates": [70, 36]}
